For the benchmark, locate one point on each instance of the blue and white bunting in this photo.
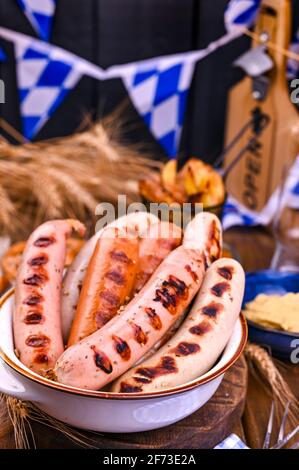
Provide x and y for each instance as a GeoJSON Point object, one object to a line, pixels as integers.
{"type": "Point", "coordinates": [158, 87]}
{"type": "Point", "coordinates": [45, 75]}
{"type": "Point", "coordinates": [235, 213]}
{"type": "Point", "coordinates": [241, 13]}
{"type": "Point", "coordinates": [2, 55]}
{"type": "Point", "coordinates": [160, 94]}
{"type": "Point", "coordinates": [43, 83]}
{"type": "Point", "coordinates": [40, 14]}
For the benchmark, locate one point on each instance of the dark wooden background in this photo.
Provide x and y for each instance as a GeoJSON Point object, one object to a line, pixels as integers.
{"type": "Point", "coordinates": [109, 32]}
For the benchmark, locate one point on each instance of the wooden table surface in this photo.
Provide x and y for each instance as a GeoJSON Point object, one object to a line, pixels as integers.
{"type": "Point", "coordinates": [255, 248]}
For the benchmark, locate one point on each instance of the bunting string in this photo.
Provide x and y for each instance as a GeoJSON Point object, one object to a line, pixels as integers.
{"type": "Point", "coordinates": [289, 53]}
{"type": "Point", "coordinates": [158, 87]}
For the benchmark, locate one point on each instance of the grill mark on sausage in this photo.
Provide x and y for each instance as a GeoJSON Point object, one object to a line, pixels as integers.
{"type": "Point", "coordinates": [34, 318]}
{"type": "Point", "coordinates": [166, 296]}
{"type": "Point", "coordinates": [142, 380]}
{"type": "Point", "coordinates": [212, 309]}
{"type": "Point", "coordinates": [171, 291]}
{"type": "Point", "coordinates": [33, 299]}
{"type": "Point", "coordinates": [185, 349]}
{"type": "Point", "coordinates": [102, 361]}
{"type": "Point", "coordinates": [153, 260]}
{"type": "Point", "coordinates": [79, 286]}
{"type": "Point", "coordinates": [125, 387]}
{"type": "Point", "coordinates": [37, 341]}
{"type": "Point", "coordinates": [168, 244]}
{"type": "Point", "coordinates": [43, 242]}
{"type": "Point", "coordinates": [226, 272]}
{"type": "Point", "coordinates": [214, 240]}
{"type": "Point", "coordinates": [35, 280]}
{"type": "Point", "coordinates": [167, 365]}
{"type": "Point", "coordinates": [200, 329]}
{"type": "Point", "coordinates": [102, 317]}
{"type": "Point", "coordinates": [220, 288]}
{"type": "Point", "coordinates": [139, 334]}
{"type": "Point", "coordinates": [205, 260]}
{"type": "Point", "coordinates": [39, 260]}
{"type": "Point", "coordinates": [116, 277]}
{"type": "Point", "coordinates": [41, 359]}
{"type": "Point", "coordinates": [120, 256]}
{"type": "Point", "coordinates": [191, 272]}
{"type": "Point", "coordinates": [154, 318]}
{"type": "Point", "coordinates": [111, 298]}
{"type": "Point", "coordinates": [179, 285]}
{"type": "Point", "coordinates": [122, 348]}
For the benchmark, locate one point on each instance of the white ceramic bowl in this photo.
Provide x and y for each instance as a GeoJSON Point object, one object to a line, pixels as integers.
{"type": "Point", "coordinates": [109, 412]}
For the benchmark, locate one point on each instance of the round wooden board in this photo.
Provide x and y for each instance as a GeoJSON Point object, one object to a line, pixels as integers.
{"type": "Point", "coordinates": [203, 429]}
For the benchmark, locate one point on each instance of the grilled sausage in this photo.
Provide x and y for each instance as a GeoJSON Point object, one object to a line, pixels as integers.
{"type": "Point", "coordinates": [201, 338]}
{"type": "Point", "coordinates": [36, 320]}
{"type": "Point", "coordinates": [72, 282]}
{"type": "Point", "coordinates": [108, 282]}
{"type": "Point", "coordinates": [204, 233]}
{"type": "Point", "coordinates": [159, 240]}
{"type": "Point", "coordinates": [110, 351]}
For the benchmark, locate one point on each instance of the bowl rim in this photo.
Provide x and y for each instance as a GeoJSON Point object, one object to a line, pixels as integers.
{"type": "Point", "coordinates": [127, 396]}
{"type": "Point", "coordinates": [273, 331]}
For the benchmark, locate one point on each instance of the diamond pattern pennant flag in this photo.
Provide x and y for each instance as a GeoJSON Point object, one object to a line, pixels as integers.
{"type": "Point", "coordinates": [43, 83]}
{"type": "Point", "coordinates": [159, 94]}
{"type": "Point", "coordinates": [40, 14]}
{"type": "Point", "coordinates": [241, 13]}
{"type": "Point", "coordinates": [2, 55]}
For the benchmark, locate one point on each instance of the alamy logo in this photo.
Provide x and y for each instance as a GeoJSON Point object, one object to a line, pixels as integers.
{"type": "Point", "coordinates": [295, 353]}
{"type": "Point", "coordinates": [2, 92]}
{"type": "Point", "coordinates": [295, 92]}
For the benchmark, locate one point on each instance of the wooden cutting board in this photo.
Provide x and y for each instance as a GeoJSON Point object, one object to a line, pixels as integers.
{"type": "Point", "coordinates": [204, 429]}
{"type": "Point", "coordinates": [261, 170]}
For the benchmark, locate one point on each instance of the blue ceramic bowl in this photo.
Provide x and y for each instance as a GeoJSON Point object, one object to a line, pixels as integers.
{"type": "Point", "coordinates": [281, 343]}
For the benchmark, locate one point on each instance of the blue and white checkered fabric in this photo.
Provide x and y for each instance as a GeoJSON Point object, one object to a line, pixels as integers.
{"type": "Point", "coordinates": [293, 65]}
{"type": "Point", "coordinates": [159, 94]}
{"type": "Point", "coordinates": [43, 83]}
{"type": "Point", "coordinates": [232, 442]}
{"type": "Point", "coordinates": [40, 14]}
{"type": "Point", "coordinates": [241, 13]}
{"type": "Point", "coordinates": [235, 213]}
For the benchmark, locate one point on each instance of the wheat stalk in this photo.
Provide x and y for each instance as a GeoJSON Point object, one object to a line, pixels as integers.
{"type": "Point", "coordinates": [263, 368]}
{"type": "Point", "coordinates": [67, 177]}
{"type": "Point", "coordinates": [20, 414]}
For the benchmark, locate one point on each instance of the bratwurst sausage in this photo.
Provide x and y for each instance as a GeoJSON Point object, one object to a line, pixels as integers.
{"type": "Point", "coordinates": [108, 282]}
{"type": "Point", "coordinates": [112, 350]}
{"type": "Point", "coordinates": [201, 338]}
{"type": "Point", "coordinates": [36, 319]}
{"type": "Point", "coordinates": [72, 282]}
{"type": "Point", "coordinates": [204, 233]}
{"type": "Point", "coordinates": [156, 243]}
